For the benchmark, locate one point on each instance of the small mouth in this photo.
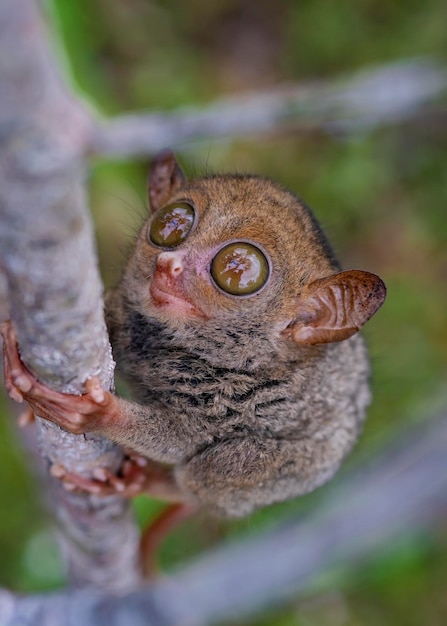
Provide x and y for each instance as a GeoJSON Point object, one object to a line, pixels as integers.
{"type": "Point", "coordinates": [177, 305]}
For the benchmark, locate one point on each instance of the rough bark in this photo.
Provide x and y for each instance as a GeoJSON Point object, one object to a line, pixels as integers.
{"type": "Point", "coordinates": [54, 290]}
{"type": "Point", "coordinates": [400, 494]}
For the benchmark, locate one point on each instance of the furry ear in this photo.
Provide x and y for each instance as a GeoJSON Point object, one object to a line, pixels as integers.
{"type": "Point", "coordinates": [336, 307]}
{"type": "Point", "coordinates": [165, 177]}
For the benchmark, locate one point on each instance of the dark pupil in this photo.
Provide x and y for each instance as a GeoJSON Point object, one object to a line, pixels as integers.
{"type": "Point", "coordinates": [171, 225]}
{"type": "Point", "coordinates": [240, 269]}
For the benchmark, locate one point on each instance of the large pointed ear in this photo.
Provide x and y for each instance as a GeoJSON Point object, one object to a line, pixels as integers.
{"type": "Point", "coordinates": [336, 307]}
{"type": "Point", "coordinates": [165, 177]}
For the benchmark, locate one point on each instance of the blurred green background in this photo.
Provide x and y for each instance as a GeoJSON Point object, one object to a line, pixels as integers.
{"type": "Point", "coordinates": [380, 196]}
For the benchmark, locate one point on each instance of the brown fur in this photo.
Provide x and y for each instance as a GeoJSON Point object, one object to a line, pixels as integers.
{"type": "Point", "coordinates": [255, 399]}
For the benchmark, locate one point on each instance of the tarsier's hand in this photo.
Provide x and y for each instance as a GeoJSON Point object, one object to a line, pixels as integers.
{"type": "Point", "coordinates": [76, 414]}
{"type": "Point", "coordinates": [131, 480]}
{"type": "Point", "coordinates": [136, 475]}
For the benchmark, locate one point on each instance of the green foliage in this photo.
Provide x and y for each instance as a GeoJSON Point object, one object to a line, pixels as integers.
{"type": "Point", "coordinates": [381, 198]}
{"type": "Point", "coordinates": [20, 516]}
{"type": "Point", "coordinates": [325, 36]}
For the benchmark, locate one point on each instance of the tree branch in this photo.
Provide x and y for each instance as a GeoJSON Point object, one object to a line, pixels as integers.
{"type": "Point", "coordinates": [401, 493]}
{"type": "Point", "coordinates": [54, 290]}
{"type": "Point", "coordinates": [390, 94]}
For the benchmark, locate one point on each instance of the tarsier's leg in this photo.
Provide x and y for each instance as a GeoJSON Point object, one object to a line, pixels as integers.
{"type": "Point", "coordinates": [139, 476]}
{"type": "Point", "coordinates": [236, 476]}
{"type": "Point", "coordinates": [135, 478]}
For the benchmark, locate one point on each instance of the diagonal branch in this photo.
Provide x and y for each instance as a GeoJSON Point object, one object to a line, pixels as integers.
{"type": "Point", "coordinates": [54, 290]}
{"type": "Point", "coordinates": [391, 94]}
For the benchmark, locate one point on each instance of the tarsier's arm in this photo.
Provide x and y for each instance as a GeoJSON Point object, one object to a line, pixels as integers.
{"type": "Point", "coordinates": [235, 476]}
{"type": "Point", "coordinates": [152, 431]}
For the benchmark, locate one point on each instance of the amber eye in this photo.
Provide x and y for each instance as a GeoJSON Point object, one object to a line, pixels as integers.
{"type": "Point", "coordinates": [240, 269]}
{"type": "Point", "coordinates": [171, 225]}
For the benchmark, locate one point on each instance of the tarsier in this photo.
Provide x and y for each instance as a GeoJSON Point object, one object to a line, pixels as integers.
{"type": "Point", "coordinates": [237, 332]}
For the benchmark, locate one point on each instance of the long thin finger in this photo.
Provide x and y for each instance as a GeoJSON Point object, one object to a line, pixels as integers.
{"type": "Point", "coordinates": [84, 404]}
{"type": "Point", "coordinates": [87, 484]}
{"type": "Point", "coordinates": [96, 391]}
{"type": "Point", "coordinates": [17, 374]}
{"type": "Point", "coordinates": [134, 474]}
{"type": "Point", "coordinates": [71, 421]}
{"type": "Point", "coordinates": [106, 476]}
{"type": "Point", "coordinates": [65, 401]}
{"type": "Point", "coordinates": [127, 486]}
{"type": "Point", "coordinates": [13, 392]}
{"type": "Point", "coordinates": [103, 482]}
{"type": "Point", "coordinates": [5, 328]}
{"type": "Point", "coordinates": [136, 458]}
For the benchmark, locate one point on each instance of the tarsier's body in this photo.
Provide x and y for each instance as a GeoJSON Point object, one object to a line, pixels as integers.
{"type": "Point", "coordinates": [254, 397]}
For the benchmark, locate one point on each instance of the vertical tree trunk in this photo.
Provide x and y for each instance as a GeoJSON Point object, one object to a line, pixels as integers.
{"type": "Point", "coordinates": [47, 254]}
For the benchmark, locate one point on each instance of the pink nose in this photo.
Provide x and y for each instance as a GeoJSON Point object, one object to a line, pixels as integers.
{"type": "Point", "coordinates": [170, 263]}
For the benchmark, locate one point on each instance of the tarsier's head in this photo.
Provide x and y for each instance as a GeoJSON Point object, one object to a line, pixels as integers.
{"type": "Point", "coordinates": [241, 252]}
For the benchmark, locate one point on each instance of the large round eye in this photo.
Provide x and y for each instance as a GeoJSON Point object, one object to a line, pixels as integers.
{"type": "Point", "coordinates": [240, 269]}
{"type": "Point", "coordinates": [171, 225]}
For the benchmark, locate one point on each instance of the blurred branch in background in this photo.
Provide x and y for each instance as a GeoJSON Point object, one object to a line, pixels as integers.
{"type": "Point", "coordinates": [391, 94]}
{"type": "Point", "coordinates": [402, 491]}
